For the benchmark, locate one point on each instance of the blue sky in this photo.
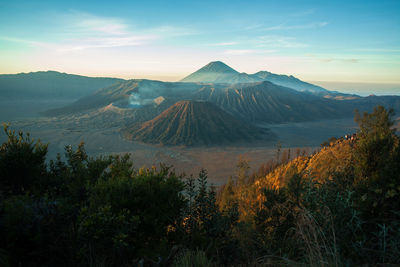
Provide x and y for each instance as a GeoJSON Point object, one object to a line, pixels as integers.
{"type": "Point", "coordinates": [348, 41]}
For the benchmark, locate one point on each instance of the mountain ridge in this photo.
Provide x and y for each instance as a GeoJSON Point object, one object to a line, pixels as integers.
{"type": "Point", "coordinates": [214, 72]}
{"type": "Point", "coordinates": [262, 101]}
{"type": "Point", "coordinates": [51, 84]}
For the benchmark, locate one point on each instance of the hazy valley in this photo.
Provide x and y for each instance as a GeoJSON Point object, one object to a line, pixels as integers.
{"type": "Point", "coordinates": [247, 117]}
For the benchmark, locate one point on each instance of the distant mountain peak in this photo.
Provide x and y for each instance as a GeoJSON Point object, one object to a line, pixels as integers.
{"type": "Point", "coordinates": [217, 67]}
{"type": "Point", "coordinates": [219, 72]}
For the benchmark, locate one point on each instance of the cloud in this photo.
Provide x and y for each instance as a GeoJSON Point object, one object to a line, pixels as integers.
{"type": "Point", "coordinates": [303, 13]}
{"type": "Point", "coordinates": [24, 41]}
{"type": "Point", "coordinates": [224, 44]}
{"type": "Point", "coordinates": [86, 31]}
{"type": "Point", "coordinates": [350, 60]}
{"type": "Point", "coordinates": [106, 42]}
{"type": "Point", "coordinates": [269, 51]}
{"type": "Point", "coordinates": [282, 27]}
{"type": "Point", "coordinates": [85, 43]}
{"type": "Point", "coordinates": [238, 52]}
{"type": "Point", "coordinates": [325, 59]}
{"type": "Point", "coordinates": [84, 22]}
{"type": "Point", "coordinates": [383, 50]}
{"type": "Point", "coordinates": [254, 27]}
{"type": "Point", "coordinates": [278, 41]}
{"type": "Point", "coordinates": [171, 31]}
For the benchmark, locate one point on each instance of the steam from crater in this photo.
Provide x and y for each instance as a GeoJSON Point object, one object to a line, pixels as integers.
{"type": "Point", "coordinates": [136, 100]}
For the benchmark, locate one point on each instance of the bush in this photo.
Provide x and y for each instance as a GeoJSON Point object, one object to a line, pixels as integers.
{"type": "Point", "coordinates": [131, 215]}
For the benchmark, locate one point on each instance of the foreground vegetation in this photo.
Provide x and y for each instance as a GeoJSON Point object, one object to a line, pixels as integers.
{"type": "Point", "coordinates": [337, 207]}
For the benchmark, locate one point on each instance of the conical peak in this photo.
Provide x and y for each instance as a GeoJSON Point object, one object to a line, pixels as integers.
{"type": "Point", "coordinates": [218, 67]}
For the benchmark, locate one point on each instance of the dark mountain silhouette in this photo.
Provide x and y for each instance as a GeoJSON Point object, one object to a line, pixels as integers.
{"type": "Point", "coordinates": [50, 84]}
{"type": "Point", "coordinates": [193, 123]}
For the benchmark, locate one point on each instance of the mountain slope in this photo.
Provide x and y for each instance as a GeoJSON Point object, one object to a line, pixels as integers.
{"type": "Point", "coordinates": [50, 84]}
{"type": "Point", "coordinates": [289, 81]}
{"type": "Point", "coordinates": [192, 123]}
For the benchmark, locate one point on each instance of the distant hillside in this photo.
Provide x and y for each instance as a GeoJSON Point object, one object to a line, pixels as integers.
{"type": "Point", "coordinates": [50, 84]}
{"type": "Point", "coordinates": [193, 123]}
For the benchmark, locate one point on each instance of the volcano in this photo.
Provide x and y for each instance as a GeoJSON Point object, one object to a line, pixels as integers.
{"type": "Point", "coordinates": [193, 123]}
{"type": "Point", "coordinates": [219, 72]}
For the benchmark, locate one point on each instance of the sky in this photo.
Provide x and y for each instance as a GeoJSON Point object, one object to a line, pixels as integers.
{"type": "Point", "coordinates": [334, 41]}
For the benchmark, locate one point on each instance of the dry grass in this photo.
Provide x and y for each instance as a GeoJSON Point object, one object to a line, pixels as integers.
{"type": "Point", "coordinates": [319, 249]}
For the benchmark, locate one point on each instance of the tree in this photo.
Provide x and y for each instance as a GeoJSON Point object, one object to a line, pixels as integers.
{"type": "Point", "coordinates": [22, 162]}
{"type": "Point", "coordinates": [242, 170]}
{"type": "Point", "coordinates": [377, 163]}
{"type": "Point", "coordinates": [378, 124]}
{"type": "Point", "coordinates": [227, 198]}
{"type": "Point", "coordinates": [376, 143]}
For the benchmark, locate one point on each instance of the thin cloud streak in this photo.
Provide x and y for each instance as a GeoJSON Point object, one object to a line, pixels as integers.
{"type": "Point", "coordinates": [283, 27]}
{"type": "Point", "coordinates": [31, 43]}
{"type": "Point", "coordinates": [383, 50]}
{"type": "Point", "coordinates": [332, 59]}
{"type": "Point", "coordinates": [224, 44]}
{"type": "Point", "coordinates": [303, 13]}
{"type": "Point", "coordinates": [238, 52]}
{"type": "Point", "coordinates": [103, 32]}
{"type": "Point", "coordinates": [89, 43]}
{"type": "Point", "coordinates": [278, 41]}
{"type": "Point", "coordinates": [108, 42]}
{"type": "Point", "coordinates": [171, 31]}
{"type": "Point", "coordinates": [101, 25]}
